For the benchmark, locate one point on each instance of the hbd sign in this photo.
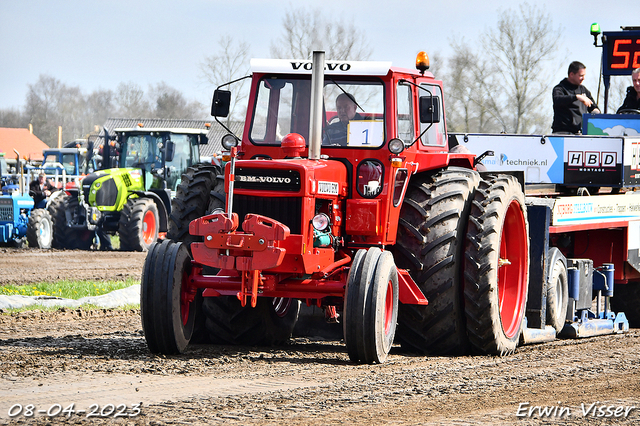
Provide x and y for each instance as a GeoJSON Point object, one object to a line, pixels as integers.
{"type": "Point", "coordinates": [591, 159]}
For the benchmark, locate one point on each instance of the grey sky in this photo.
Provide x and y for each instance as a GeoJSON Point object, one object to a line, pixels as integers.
{"type": "Point", "coordinates": [98, 44]}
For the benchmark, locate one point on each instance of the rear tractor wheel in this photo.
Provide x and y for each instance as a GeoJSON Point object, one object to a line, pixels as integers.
{"type": "Point", "coordinates": [496, 267]}
{"type": "Point", "coordinates": [269, 323]}
{"type": "Point", "coordinates": [430, 240]}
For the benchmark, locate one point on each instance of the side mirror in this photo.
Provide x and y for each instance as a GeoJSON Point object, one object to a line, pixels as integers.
{"type": "Point", "coordinates": [203, 139]}
{"type": "Point", "coordinates": [221, 102]}
{"type": "Point", "coordinates": [169, 151]}
{"type": "Point", "coordinates": [429, 109]}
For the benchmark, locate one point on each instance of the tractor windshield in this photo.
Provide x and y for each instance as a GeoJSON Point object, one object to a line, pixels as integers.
{"type": "Point", "coordinates": [353, 112]}
{"type": "Point", "coordinates": [141, 151]}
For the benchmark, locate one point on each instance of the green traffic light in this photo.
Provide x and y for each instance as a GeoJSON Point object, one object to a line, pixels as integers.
{"type": "Point", "coordinates": [595, 29]}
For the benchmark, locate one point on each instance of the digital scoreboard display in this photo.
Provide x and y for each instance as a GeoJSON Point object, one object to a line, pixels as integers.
{"type": "Point", "coordinates": [621, 52]}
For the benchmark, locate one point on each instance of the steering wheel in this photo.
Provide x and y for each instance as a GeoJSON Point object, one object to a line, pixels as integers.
{"type": "Point", "coordinates": [628, 111]}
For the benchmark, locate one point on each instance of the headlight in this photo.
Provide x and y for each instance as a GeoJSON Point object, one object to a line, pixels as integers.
{"type": "Point", "coordinates": [320, 222]}
{"type": "Point", "coordinates": [396, 146]}
{"type": "Point", "coordinates": [229, 141]}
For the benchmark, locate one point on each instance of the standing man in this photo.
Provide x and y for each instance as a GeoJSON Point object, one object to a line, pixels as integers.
{"type": "Point", "coordinates": [570, 100]}
{"type": "Point", "coordinates": [632, 101]}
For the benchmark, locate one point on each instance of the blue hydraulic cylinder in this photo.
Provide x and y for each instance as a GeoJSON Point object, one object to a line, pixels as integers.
{"type": "Point", "coordinates": [573, 278]}
{"type": "Point", "coordinates": [603, 279]}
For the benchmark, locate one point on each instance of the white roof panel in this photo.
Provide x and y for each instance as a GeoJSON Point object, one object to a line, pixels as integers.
{"type": "Point", "coordinates": [298, 66]}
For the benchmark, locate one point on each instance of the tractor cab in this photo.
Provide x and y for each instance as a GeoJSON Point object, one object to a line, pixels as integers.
{"type": "Point", "coordinates": [162, 156]}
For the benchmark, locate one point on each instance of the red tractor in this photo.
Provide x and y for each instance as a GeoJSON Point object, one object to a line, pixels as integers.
{"type": "Point", "coordinates": [342, 194]}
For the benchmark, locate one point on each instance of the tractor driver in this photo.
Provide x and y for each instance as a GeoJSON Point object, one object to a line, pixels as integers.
{"type": "Point", "coordinates": [40, 189]}
{"type": "Point", "coordinates": [336, 133]}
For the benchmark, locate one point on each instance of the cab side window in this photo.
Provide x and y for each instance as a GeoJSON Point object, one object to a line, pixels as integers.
{"type": "Point", "coordinates": [405, 113]}
{"type": "Point", "coordinates": [436, 135]}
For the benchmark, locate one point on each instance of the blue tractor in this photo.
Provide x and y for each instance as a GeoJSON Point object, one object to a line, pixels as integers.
{"type": "Point", "coordinates": [20, 222]}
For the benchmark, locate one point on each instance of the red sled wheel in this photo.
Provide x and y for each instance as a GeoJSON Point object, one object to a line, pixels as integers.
{"type": "Point", "coordinates": [496, 265]}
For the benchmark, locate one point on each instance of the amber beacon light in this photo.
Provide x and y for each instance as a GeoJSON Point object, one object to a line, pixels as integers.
{"type": "Point", "coordinates": [422, 62]}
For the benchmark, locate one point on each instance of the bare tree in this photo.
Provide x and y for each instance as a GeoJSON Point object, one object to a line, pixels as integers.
{"type": "Point", "coordinates": [307, 30]}
{"type": "Point", "coordinates": [519, 49]}
{"type": "Point", "coordinates": [130, 100]}
{"type": "Point", "coordinates": [230, 63]}
{"type": "Point", "coordinates": [170, 103]}
{"type": "Point", "coordinates": [13, 117]}
{"type": "Point", "coordinates": [505, 88]}
{"type": "Point", "coordinates": [465, 97]}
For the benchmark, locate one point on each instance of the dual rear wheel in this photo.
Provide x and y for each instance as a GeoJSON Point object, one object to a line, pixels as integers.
{"type": "Point", "coordinates": [464, 240]}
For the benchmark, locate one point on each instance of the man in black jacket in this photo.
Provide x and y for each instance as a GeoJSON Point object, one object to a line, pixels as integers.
{"type": "Point", "coordinates": [570, 100]}
{"type": "Point", "coordinates": [632, 101]}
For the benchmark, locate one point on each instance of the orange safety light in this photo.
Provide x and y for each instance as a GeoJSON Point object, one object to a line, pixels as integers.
{"type": "Point", "coordinates": [422, 62]}
{"type": "Point", "coordinates": [140, 124]}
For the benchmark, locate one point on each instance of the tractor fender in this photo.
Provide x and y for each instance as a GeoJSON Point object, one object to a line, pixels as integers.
{"type": "Point", "coordinates": [162, 208]}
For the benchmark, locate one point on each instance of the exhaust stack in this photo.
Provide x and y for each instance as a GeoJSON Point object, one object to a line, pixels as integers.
{"type": "Point", "coordinates": [315, 124]}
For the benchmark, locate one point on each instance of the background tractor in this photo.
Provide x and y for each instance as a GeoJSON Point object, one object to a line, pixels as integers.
{"type": "Point", "coordinates": [131, 195]}
{"type": "Point", "coordinates": [20, 221]}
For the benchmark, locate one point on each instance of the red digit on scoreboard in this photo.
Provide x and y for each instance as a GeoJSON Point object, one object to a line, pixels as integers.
{"type": "Point", "coordinates": [625, 55]}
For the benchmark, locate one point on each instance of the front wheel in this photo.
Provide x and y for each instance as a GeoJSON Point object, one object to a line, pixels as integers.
{"type": "Point", "coordinates": [496, 267]}
{"type": "Point", "coordinates": [166, 305]}
{"type": "Point", "coordinates": [138, 226]}
{"type": "Point", "coordinates": [40, 229]}
{"type": "Point", "coordinates": [371, 306]}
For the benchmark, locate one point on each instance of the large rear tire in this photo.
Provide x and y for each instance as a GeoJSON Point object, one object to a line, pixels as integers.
{"type": "Point", "coordinates": [65, 237]}
{"type": "Point", "coordinates": [40, 229]}
{"type": "Point", "coordinates": [429, 245]}
{"type": "Point", "coordinates": [138, 225]}
{"type": "Point", "coordinates": [270, 323]}
{"type": "Point", "coordinates": [626, 298]}
{"type": "Point", "coordinates": [496, 268]}
{"type": "Point", "coordinates": [167, 315]}
{"type": "Point", "coordinates": [200, 192]}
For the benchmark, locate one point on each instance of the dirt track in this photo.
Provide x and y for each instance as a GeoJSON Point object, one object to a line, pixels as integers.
{"type": "Point", "coordinates": [100, 357]}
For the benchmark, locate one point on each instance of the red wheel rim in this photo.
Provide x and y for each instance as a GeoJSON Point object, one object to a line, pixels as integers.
{"type": "Point", "coordinates": [149, 227]}
{"type": "Point", "coordinates": [388, 308]}
{"type": "Point", "coordinates": [512, 269]}
{"type": "Point", "coordinates": [187, 296]}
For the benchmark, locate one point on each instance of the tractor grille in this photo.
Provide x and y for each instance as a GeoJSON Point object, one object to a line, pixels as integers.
{"type": "Point", "coordinates": [6, 213]}
{"type": "Point", "coordinates": [107, 194]}
{"type": "Point", "coordinates": [286, 210]}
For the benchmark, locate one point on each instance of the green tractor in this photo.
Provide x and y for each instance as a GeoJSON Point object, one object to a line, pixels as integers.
{"type": "Point", "coordinates": [131, 194]}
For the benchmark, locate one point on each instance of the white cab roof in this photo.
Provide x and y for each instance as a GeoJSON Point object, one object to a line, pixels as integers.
{"type": "Point", "coordinates": [299, 66]}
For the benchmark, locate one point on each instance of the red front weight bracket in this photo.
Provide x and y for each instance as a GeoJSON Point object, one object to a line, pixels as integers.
{"type": "Point", "coordinates": [253, 250]}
